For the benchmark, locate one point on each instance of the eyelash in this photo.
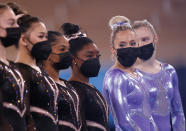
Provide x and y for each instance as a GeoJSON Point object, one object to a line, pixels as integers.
{"type": "Point", "coordinates": [41, 36]}
{"type": "Point", "coordinates": [122, 45]}
{"type": "Point", "coordinates": [144, 39]}
{"type": "Point", "coordinates": [133, 43]}
{"type": "Point", "coordinates": [63, 49]}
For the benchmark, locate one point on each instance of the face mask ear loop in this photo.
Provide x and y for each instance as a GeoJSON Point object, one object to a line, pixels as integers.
{"type": "Point", "coordinates": [27, 45]}
{"type": "Point", "coordinates": [30, 42]}
{"type": "Point", "coordinates": [77, 64]}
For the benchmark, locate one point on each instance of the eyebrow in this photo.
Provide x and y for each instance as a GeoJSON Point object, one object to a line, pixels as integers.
{"type": "Point", "coordinates": [145, 37]}
{"type": "Point", "coordinates": [122, 42]}
{"type": "Point", "coordinates": [132, 41]}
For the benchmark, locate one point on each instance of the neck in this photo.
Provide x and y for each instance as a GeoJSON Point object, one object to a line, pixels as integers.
{"type": "Point", "coordinates": [52, 72]}
{"type": "Point", "coordinates": [25, 57]}
{"type": "Point", "coordinates": [150, 66]}
{"type": "Point", "coordinates": [3, 54]}
{"type": "Point", "coordinates": [152, 62]}
{"type": "Point", "coordinates": [78, 76]}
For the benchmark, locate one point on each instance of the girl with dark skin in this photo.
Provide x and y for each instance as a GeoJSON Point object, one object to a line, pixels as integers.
{"type": "Point", "coordinates": [43, 92]}
{"type": "Point", "coordinates": [68, 100]}
{"type": "Point", "coordinates": [85, 65]}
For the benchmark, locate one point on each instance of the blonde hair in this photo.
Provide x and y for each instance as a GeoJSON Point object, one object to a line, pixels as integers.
{"type": "Point", "coordinates": [144, 23]}
{"type": "Point", "coordinates": [117, 24]}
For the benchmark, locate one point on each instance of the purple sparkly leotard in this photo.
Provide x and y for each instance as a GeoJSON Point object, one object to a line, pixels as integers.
{"type": "Point", "coordinates": [145, 102]}
{"type": "Point", "coordinates": [165, 101]}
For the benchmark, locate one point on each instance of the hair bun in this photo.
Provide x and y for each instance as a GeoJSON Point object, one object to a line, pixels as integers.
{"type": "Point", "coordinates": [118, 21]}
{"type": "Point", "coordinates": [70, 29]}
{"type": "Point", "coordinates": [26, 19]}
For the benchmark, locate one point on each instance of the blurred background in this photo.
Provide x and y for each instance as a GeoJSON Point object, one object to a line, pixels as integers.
{"type": "Point", "coordinates": [167, 16]}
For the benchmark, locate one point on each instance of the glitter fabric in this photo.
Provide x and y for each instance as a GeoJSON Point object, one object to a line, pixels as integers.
{"type": "Point", "coordinates": [43, 94]}
{"type": "Point", "coordinates": [165, 101]}
{"type": "Point", "coordinates": [68, 108]}
{"type": "Point", "coordinates": [94, 107]}
{"type": "Point", "coordinates": [128, 101]}
{"type": "Point", "coordinates": [145, 102]}
{"type": "Point", "coordinates": [13, 92]}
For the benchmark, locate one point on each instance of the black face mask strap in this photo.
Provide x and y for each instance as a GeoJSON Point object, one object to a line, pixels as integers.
{"type": "Point", "coordinates": [76, 62]}
{"type": "Point", "coordinates": [30, 41]}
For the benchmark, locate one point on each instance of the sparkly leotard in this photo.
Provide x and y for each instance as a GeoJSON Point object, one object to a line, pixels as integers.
{"type": "Point", "coordinates": [13, 92]}
{"type": "Point", "coordinates": [165, 101]}
{"type": "Point", "coordinates": [69, 108]}
{"type": "Point", "coordinates": [93, 105]}
{"type": "Point", "coordinates": [43, 94]}
{"type": "Point", "coordinates": [146, 102]}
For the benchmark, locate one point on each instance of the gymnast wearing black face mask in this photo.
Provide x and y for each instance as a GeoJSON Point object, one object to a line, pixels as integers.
{"type": "Point", "coordinates": [42, 90]}
{"type": "Point", "coordinates": [69, 117]}
{"type": "Point", "coordinates": [86, 64]}
{"type": "Point", "coordinates": [12, 86]}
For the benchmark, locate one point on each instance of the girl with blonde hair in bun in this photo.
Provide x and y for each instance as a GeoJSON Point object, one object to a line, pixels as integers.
{"type": "Point", "coordinates": [123, 88]}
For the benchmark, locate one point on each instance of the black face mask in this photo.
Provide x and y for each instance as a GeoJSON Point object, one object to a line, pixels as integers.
{"type": "Point", "coordinates": [127, 56]}
{"type": "Point", "coordinates": [12, 38]}
{"type": "Point", "coordinates": [65, 61]}
{"type": "Point", "coordinates": [146, 51]}
{"type": "Point", "coordinates": [41, 50]}
{"type": "Point", "coordinates": [90, 67]}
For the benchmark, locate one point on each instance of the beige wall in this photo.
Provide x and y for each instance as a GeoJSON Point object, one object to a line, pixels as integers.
{"type": "Point", "coordinates": [166, 15]}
